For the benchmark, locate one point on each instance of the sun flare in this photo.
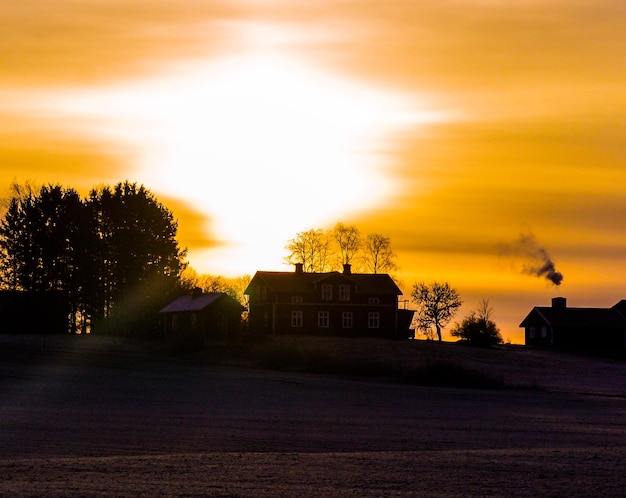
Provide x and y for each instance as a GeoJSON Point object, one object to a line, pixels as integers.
{"type": "Point", "coordinates": [264, 144]}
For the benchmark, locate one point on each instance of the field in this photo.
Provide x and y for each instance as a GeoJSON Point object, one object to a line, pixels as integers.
{"type": "Point", "coordinates": [92, 416]}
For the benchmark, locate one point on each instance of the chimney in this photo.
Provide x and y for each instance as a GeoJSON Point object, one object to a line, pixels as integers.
{"type": "Point", "coordinates": [299, 268]}
{"type": "Point", "coordinates": [196, 292]}
{"type": "Point", "coordinates": [347, 269]}
{"type": "Point", "coordinates": [559, 303]}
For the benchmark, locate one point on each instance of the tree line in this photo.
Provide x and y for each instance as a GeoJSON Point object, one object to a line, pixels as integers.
{"type": "Point", "coordinates": [320, 250]}
{"type": "Point", "coordinates": [113, 256]}
{"type": "Point", "coordinates": [111, 260]}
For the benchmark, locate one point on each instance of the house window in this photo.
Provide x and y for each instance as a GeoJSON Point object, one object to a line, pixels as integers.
{"type": "Point", "coordinates": [373, 320]}
{"type": "Point", "coordinates": [327, 292]}
{"type": "Point", "coordinates": [296, 319]}
{"type": "Point", "coordinates": [323, 319]}
{"type": "Point", "coordinates": [266, 319]}
{"type": "Point", "coordinates": [373, 300]}
{"type": "Point", "coordinates": [544, 332]}
{"type": "Point", "coordinates": [263, 292]}
{"type": "Point", "coordinates": [175, 324]}
{"type": "Point", "coordinates": [296, 299]}
{"type": "Point", "coordinates": [346, 319]}
{"type": "Point", "coordinates": [531, 332]}
{"type": "Point", "coordinates": [344, 292]}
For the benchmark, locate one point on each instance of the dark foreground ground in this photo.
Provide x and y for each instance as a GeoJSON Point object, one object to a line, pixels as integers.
{"type": "Point", "coordinates": [107, 421]}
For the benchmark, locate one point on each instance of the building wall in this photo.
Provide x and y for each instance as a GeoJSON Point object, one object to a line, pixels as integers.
{"type": "Point", "coordinates": [539, 334]}
{"type": "Point", "coordinates": [277, 318]}
{"type": "Point", "coordinates": [579, 338]}
{"type": "Point", "coordinates": [214, 322]}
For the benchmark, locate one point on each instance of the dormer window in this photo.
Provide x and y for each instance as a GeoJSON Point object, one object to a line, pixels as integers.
{"type": "Point", "coordinates": [344, 292]}
{"type": "Point", "coordinates": [327, 292]}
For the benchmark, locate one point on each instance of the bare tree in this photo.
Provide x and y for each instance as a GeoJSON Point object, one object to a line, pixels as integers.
{"type": "Point", "coordinates": [311, 249]}
{"type": "Point", "coordinates": [348, 239]}
{"type": "Point", "coordinates": [484, 311]}
{"type": "Point", "coordinates": [233, 287]}
{"type": "Point", "coordinates": [377, 254]}
{"type": "Point", "coordinates": [436, 305]}
{"type": "Point", "coordinates": [240, 284]}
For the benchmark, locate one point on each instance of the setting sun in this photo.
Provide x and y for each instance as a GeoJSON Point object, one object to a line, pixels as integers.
{"type": "Point", "coordinates": [264, 145]}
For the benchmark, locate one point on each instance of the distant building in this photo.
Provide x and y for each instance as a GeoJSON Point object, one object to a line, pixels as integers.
{"type": "Point", "coordinates": [205, 315]}
{"type": "Point", "coordinates": [576, 328]}
{"type": "Point", "coordinates": [30, 312]}
{"type": "Point", "coordinates": [332, 304]}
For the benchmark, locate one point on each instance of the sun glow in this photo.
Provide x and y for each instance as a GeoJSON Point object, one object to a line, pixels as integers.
{"type": "Point", "coordinates": [264, 144]}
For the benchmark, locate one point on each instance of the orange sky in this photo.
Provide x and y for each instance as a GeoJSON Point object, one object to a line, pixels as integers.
{"type": "Point", "coordinates": [452, 126]}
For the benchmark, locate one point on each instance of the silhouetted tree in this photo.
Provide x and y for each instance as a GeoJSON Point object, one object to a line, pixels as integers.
{"type": "Point", "coordinates": [138, 258]}
{"type": "Point", "coordinates": [311, 249]}
{"type": "Point", "coordinates": [348, 240]}
{"type": "Point", "coordinates": [319, 250]}
{"type": "Point", "coordinates": [377, 254]}
{"type": "Point", "coordinates": [233, 287]}
{"type": "Point", "coordinates": [478, 327]}
{"type": "Point", "coordinates": [436, 305]}
{"type": "Point", "coordinates": [44, 241]}
{"type": "Point", "coordinates": [116, 250]}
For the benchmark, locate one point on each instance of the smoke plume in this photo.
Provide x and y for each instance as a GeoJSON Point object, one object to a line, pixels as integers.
{"type": "Point", "coordinates": [535, 259]}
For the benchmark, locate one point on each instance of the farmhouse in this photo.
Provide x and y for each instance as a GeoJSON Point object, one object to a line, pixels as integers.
{"type": "Point", "coordinates": [206, 315]}
{"type": "Point", "coordinates": [332, 304]}
{"type": "Point", "coordinates": [559, 326]}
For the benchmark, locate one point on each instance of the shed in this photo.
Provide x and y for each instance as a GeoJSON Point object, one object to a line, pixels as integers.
{"type": "Point", "coordinates": [205, 315]}
{"type": "Point", "coordinates": [561, 326]}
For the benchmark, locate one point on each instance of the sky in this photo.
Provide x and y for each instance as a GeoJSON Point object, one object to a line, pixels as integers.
{"type": "Point", "coordinates": [485, 138]}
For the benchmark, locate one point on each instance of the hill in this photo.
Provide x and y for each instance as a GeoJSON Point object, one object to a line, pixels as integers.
{"type": "Point", "coordinates": [423, 362]}
{"type": "Point", "coordinates": [102, 416]}
{"type": "Point", "coordinates": [415, 362]}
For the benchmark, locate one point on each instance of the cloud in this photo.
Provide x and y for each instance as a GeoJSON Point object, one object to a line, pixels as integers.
{"type": "Point", "coordinates": [36, 149]}
{"type": "Point", "coordinates": [196, 232]}
{"type": "Point", "coordinates": [76, 41]}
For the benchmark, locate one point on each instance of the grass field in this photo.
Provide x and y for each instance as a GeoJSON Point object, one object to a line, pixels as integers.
{"type": "Point", "coordinates": [93, 416]}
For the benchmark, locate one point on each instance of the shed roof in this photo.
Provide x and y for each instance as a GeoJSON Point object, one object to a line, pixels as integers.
{"type": "Point", "coordinates": [193, 303]}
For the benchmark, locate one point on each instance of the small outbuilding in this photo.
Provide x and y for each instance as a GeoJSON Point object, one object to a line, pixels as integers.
{"type": "Point", "coordinates": [560, 326]}
{"type": "Point", "coordinates": [203, 315]}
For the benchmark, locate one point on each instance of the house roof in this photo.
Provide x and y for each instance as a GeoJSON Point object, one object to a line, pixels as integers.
{"type": "Point", "coordinates": [576, 317]}
{"type": "Point", "coordinates": [191, 303]}
{"type": "Point", "coordinates": [304, 282]}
